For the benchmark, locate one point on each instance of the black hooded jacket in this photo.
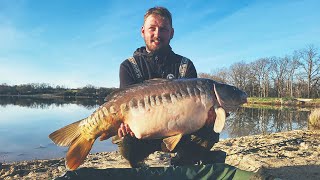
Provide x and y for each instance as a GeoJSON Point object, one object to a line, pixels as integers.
{"type": "Point", "coordinates": [154, 65]}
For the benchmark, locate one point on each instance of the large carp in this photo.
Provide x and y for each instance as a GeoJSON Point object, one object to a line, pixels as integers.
{"type": "Point", "coordinates": [156, 109]}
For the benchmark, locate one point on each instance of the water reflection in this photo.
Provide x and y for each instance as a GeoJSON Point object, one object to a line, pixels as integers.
{"type": "Point", "coordinates": [252, 121]}
{"type": "Point", "coordinates": [25, 124]}
{"type": "Point", "coordinates": [38, 102]}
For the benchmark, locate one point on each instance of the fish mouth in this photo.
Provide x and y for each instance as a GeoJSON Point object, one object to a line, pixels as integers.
{"type": "Point", "coordinates": [244, 98]}
{"type": "Point", "coordinates": [229, 108]}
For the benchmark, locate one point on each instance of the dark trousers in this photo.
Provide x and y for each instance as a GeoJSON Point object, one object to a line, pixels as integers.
{"type": "Point", "coordinates": [193, 146]}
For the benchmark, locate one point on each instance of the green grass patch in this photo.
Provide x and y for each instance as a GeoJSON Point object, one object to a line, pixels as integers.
{"type": "Point", "coordinates": [266, 100]}
{"type": "Point", "coordinates": [285, 101]}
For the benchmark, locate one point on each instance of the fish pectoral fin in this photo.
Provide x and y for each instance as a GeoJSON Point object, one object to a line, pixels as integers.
{"type": "Point", "coordinates": [220, 119]}
{"type": "Point", "coordinates": [172, 141]}
{"type": "Point", "coordinates": [105, 136]}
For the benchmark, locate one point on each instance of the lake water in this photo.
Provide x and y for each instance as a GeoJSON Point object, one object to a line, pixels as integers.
{"type": "Point", "coordinates": [25, 124]}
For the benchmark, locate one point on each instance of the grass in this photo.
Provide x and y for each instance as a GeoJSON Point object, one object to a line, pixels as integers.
{"type": "Point", "coordinates": [282, 101]}
{"type": "Point", "coordinates": [316, 100]}
{"type": "Point", "coordinates": [265, 99]}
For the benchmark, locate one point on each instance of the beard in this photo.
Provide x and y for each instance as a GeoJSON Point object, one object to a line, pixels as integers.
{"type": "Point", "coordinates": [152, 48]}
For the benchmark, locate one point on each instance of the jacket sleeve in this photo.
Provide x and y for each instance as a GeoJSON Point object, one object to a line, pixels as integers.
{"type": "Point", "coordinates": [126, 75]}
{"type": "Point", "coordinates": [191, 71]}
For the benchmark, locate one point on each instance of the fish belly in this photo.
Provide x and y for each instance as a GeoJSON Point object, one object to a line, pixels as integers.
{"type": "Point", "coordinates": [182, 117]}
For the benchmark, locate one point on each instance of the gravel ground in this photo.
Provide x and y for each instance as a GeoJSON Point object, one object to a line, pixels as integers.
{"type": "Point", "coordinates": [286, 155]}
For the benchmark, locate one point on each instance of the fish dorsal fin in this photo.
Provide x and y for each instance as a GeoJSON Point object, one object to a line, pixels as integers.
{"type": "Point", "coordinates": [144, 83]}
{"type": "Point", "coordinates": [220, 119]}
{"type": "Point", "coordinates": [172, 141]}
{"type": "Point", "coordinates": [156, 80]}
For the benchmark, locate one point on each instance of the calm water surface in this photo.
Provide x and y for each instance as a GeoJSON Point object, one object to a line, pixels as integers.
{"type": "Point", "coordinates": [26, 123]}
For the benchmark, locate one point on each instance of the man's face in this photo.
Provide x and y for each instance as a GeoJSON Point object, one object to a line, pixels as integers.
{"type": "Point", "coordinates": [156, 32]}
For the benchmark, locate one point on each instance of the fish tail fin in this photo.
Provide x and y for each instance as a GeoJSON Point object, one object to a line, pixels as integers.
{"type": "Point", "coordinates": [66, 135]}
{"type": "Point", "coordinates": [78, 151]}
{"type": "Point", "coordinates": [79, 145]}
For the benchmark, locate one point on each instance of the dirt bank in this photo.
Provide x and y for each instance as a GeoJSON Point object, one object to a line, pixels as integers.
{"type": "Point", "coordinates": [287, 155]}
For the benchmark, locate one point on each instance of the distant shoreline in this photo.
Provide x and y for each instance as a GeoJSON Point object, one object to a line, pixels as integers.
{"type": "Point", "coordinates": [294, 102]}
{"type": "Point", "coordinates": [252, 101]}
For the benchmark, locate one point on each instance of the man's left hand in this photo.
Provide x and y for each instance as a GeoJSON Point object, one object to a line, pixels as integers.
{"type": "Point", "coordinates": [124, 130]}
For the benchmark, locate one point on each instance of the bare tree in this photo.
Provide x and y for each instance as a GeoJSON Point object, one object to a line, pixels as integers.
{"type": "Point", "coordinates": [310, 63]}
{"type": "Point", "coordinates": [205, 75]}
{"type": "Point", "coordinates": [220, 75]}
{"type": "Point", "coordinates": [260, 69]}
{"type": "Point", "coordinates": [292, 67]}
{"type": "Point", "coordinates": [239, 75]}
{"type": "Point", "coordinates": [279, 70]}
{"type": "Point", "coordinates": [293, 75]}
{"type": "Point", "coordinates": [252, 87]}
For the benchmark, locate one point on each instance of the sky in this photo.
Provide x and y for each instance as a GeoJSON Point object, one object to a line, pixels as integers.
{"type": "Point", "coordinates": [74, 43]}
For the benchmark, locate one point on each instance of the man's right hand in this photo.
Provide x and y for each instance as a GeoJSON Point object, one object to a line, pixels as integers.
{"type": "Point", "coordinates": [124, 130]}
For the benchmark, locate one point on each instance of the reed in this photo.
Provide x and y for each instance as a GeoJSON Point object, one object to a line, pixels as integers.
{"type": "Point", "coordinates": [314, 120]}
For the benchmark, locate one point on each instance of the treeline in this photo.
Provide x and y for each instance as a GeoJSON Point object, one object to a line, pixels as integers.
{"type": "Point", "coordinates": [295, 75]}
{"type": "Point", "coordinates": [46, 89]}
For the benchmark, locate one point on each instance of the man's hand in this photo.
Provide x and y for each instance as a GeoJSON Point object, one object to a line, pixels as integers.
{"type": "Point", "coordinates": [124, 130]}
